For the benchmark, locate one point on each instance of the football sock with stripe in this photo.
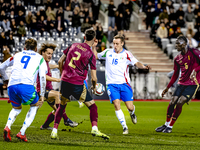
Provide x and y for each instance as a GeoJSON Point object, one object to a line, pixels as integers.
{"type": "Point", "coordinates": [170, 111]}
{"type": "Point", "coordinates": [93, 114]}
{"type": "Point", "coordinates": [29, 118]}
{"type": "Point", "coordinates": [65, 117]}
{"type": "Point", "coordinates": [176, 114]}
{"type": "Point", "coordinates": [59, 115]}
{"type": "Point", "coordinates": [121, 118]}
{"type": "Point", "coordinates": [12, 116]}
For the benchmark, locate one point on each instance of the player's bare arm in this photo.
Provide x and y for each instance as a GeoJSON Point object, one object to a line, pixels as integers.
{"type": "Point", "coordinates": [48, 78]}
{"type": "Point", "coordinates": [141, 66]}
{"type": "Point", "coordinates": [93, 80]}
{"type": "Point", "coordinates": [53, 66]}
{"type": "Point", "coordinates": [60, 62]}
{"type": "Point", "coordinates": [94, 48]}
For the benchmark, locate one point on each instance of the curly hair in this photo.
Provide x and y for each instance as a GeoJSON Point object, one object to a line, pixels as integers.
{"type": "Point", "coordinates": [45, 46]}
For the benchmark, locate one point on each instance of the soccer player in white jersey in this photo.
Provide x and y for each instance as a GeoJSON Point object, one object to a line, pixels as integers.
{"type": "Point", "coordinates": [117, 78]}
{"type": "Point", "coordinates": [21, 90]}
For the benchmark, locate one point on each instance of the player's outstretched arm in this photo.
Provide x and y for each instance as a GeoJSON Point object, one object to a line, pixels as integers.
{"type": "Point", "coordinates": [4, 65]}
{"type": "Point", "coordinates": [94, 48]}
{"type": "Point", "coordinates": [48, 78]}
{"type": "Point", "coordinates": [42, 74]}
{"type": "Point", "coordinates": [141, 66]}
{"type": "Point", "coordinates": [60, 62]}
{"type": "Point", "coordinates": [93, 80]}
{"type": "Point", "coordinates": [51, 66]}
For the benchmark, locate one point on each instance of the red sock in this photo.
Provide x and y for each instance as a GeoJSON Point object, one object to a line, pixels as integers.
{"type": "Point", "coordinates": [58, 115]}
{"type": "Point", "coordinates": [170, 110]}
{"type": "Point", "coordinates": [93, 114]}
{"type": "Point", "coordinates": [49, 120]}
{"type": "Point", "coordinates": [176, 114]}
{"type": "Point", "coordinates": [65, 117]}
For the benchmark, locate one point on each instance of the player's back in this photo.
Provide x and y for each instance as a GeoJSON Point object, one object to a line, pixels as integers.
{"type": "Point", "coordinates": [25, 67]}
{"type": "Point", "coordinates": [75, 69]}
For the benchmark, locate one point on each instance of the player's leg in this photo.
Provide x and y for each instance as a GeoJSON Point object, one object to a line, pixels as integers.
{"type": "Point", "coordinates": [29, 97]}
{"type": "Point", "coordinates": [113, 91]}
{"type": "Point", "coordinates": [16, 109]}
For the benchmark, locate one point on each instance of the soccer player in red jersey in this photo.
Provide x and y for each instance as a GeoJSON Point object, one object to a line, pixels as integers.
{"type": "Point", "coordinates": [52, 97]}
{"type": "Point", "coordinates": [188, 62]}
{"type": "Point", "coordinates": [77, 58]}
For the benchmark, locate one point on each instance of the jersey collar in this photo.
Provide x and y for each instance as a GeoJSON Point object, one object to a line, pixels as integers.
{"type": "Point", "coordinates": [120, 52]}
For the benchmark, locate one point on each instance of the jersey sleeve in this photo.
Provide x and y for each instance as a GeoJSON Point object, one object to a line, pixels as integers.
{"type": "Point", "coordinates": [42, 75]}
{"type": "Point", "coordinates": [66, 50]}
{"type": "Point", "coordinates": [92, 62]}
{"type": "Point", "coordinates": [3, 66]}
{"type": "Point", "coordinates": [102, 55]}
{"type": "Point", "coordinates": [131, 59]}
{"type": "Point", "coordinates": [175, 74]}
{"type": "Point", "coordinates": [197, 54]}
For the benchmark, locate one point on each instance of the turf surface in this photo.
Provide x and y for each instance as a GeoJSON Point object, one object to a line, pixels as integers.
{"type": "Point", "coordinates": [185, 134]}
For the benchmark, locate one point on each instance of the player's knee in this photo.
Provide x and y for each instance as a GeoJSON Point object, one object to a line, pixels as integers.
{"type": "Point", "coordinates": [173, 100]}
{"type": "Point", "coordinates": [64, 100]}
{"type": "Point", "coordinates": [182, 100]}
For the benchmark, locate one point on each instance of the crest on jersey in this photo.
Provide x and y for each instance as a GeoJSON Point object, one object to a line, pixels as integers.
{"type": "Point", "coordinates": [188, 57]}
{"type": "Point", "coordinates": [180, 61]}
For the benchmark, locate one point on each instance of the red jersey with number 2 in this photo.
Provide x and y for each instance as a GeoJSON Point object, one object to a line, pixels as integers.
{"type": "Point", "coordinates": [78, 58]}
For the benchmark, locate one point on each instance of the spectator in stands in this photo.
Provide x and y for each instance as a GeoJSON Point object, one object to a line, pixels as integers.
{"type": "Point", "coordinates": [192, 43]}
{"type": "Point", "coordinates": [154, 30]}
{"type": "Point", "coordinates": [6, 52]}
{"type": "Point", "coordinates": [50, 13]}
{"type": "Point", "coordinates": [86, 4]}
{"type": "Point", "coordinates": [158, 10]}
{"type": "Point", "coordinates": [74, 3]}
{"type": "Point", "coordinates": [129, 6]}
{"type": "Point", "coordinates": [91, 19]}
{"type": "Point", "coordinates": [121, 7]}
{"type": "Point", "coordinates": [49, 25]}
{"type": "Point", "coordinates": [164, 4]}
{"type": "Point", "coordinates": [28, 19]}
{"type": "Point", "coordinates": [60, 12]}
{"type": "Point", "coordinates": [33, 25]}
{"type": "Point", "coordinates": [6, 26]}
{"type": "Point", "coordinates": [11, 42]}
{"type": "Point", "coordinates": [197, 36]}
{"type": "Point", "coordinates": [86, 13]}
{"type": "Point", "coordinates": [172, 15]}
{"type": "Point", "coordinates": [59, 25]}
{"type": "Point", "coordinates": [41, 25]}
{"type": "Point", "coordinates": [197, 23]}
{"type": "Point", "coordinates": [76, 22]}
{"type": "Point", "coordinates": [42, 12]}
{"type": "Point", "coordinates": [19, 7]}
{"type": "Point", "coordinates": [13, 27]}
{"type": "Point", "coordinates": [178, 32]}
{"type": "Point", "coordinates": [67, 13]}
{"type": "Point", "coordinates": [49, 3]}
{"type": "Point", "coordinates": [111, 14]}
{"type": "Point", "coordinates": [6, 7]}
{"type": "Point", "coordinates": [85, 25]}
{"type": "Point", "coordinates": [169, 6]}
{"type": "Point", "coordinates": [161, 33]}
{"type": "Point", "coordinates": [127, 18]}
{"type": "Point", "coordinates": [12, 5]}
{"type": "Point", "coordinates": [21, 30]}
{"type": "Point", "coordinates": [149, 15]}
{"type": "Point", "coordinates": [110, 35]}
{"type": "Point", "coordinates": [180, 12]}
{"type": "Point", "coordinates": [167, 24]}
{"type": "Point", "coordinates": [190, 31]}
{"type": "Point", "coordinates": [163, 14]}
{"type": "Point", "coordinates": [2, 16]}
{"type": "Point", "coordinates": [38, 15]}
{"type": "Point", "coordinates": [12, 15]}
{"type": "Point", "coordinates": [189, 16]}
{"type": "Point", "coordinates": [172, 34]}
{"type": "Point", "coordinates": [174, 25]}
{"type": "Point", "coordinates": [95, 9]}
{"type": "Point", "coordinates": [3, 40]}
{"type": "Point", "coordinates": [196, 10]}
{"type": "Point", "coordinates": [181, 22]}
{"type": "Point", "coordinates": [119, 21]}
{"type": "Point", "coordinates": [99, 34]}
{"type": "Point", "coordinates": [20, 17]}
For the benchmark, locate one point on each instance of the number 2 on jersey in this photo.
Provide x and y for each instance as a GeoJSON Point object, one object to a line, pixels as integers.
{"type": "Point", "coordinates": [74, 58]}
{"type": "Point", "coordinates": [25, 60]}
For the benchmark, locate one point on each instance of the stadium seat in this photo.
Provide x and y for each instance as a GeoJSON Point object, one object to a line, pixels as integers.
{"type": "Point", "coordinates": [176, 6]}
{"type": "Point", "coordinates": [59, 40]}
{"type": "Point", "coordinates": [174, 53]}
{"type": "Point", "coordinates": [50, 39]}
{"type": "Point", "coordinates": [37, 34]}
{"type": "Point", "coordinates": [184, 7]}
{"type": "Point", "coordinates": [173, 40]}
{"type": "Point", "coordinates": [164, 41]}
{"type": "Point", "coordinates": [170, 47]}
{"type": "Point", "coordinates": [28, 34]}
{"type": "Point", "coordinates": [184, 31]}
{"type": "Point", "coordinates": [46, 34]}
{"type": "Point", "coordinates": [55, 35]}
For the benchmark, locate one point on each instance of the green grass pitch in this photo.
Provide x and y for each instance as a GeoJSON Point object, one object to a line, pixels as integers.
{"type": "Point", "coordinates": [185, 134]}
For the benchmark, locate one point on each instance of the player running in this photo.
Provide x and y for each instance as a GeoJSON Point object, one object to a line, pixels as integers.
{"type": "Point", "coordinates": [117, 78]}
{"type": "Point", "coordinates": [52, 97]}
{"type": "Point", "coordinates": [77, 57]}
{"type": "Point", "coordinates": [188, 83]}
{"type": "Point", "coordinates": [21, 90]}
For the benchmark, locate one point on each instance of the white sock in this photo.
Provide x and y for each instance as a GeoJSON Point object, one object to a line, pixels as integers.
{"type": "Point", "coordinates": [12, 116]}
{"type": "Point", "coordinates": [79, 103]}
{"type": "Point", "coordinates": [170, 126]}
{"type": "Point", "coordinates": [55, 130]}
{"type": "Point", "coordinates": [121, 118]}
{"type": "Point", "coordinates": [29, 118]}
{"type": "Point", "coordinates": [167, 123]}
{"type": "Point", "coordinates": [94, 128]}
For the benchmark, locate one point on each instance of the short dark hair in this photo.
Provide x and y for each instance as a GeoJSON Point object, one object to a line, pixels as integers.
{"type": "Point", "coordinates": [30, 44]}
{"type": "Point", "coordinates": [181, 37]}
{"type": "Point", "coordinates": [120, 36]}
{"type": "Point", "coordinates": [89, 34]}
{"type": "Point", "coordinates": [45, 46]}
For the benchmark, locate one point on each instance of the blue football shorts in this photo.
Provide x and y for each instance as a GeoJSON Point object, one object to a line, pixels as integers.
{"type": "Point", "coordinates": [22, 94]}
{"type": "Point", "coordinates": [120, 91]}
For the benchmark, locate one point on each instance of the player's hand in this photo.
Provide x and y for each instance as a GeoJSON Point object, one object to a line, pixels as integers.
{"type": "Point", "coordinates": [147, 67]}
{"type": "Point", "coordinates": [165, 91]}
{"type": "Point", "coordinates": [58, 80]}
{"type": "Point", "coordinates": [41, 101]}
{"type": "Point", "coordinates": [193, 75]}
{"type": "Point", "coordinates": [93, 89]}
{"type": "Point", "coordinates": [95, 43]}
